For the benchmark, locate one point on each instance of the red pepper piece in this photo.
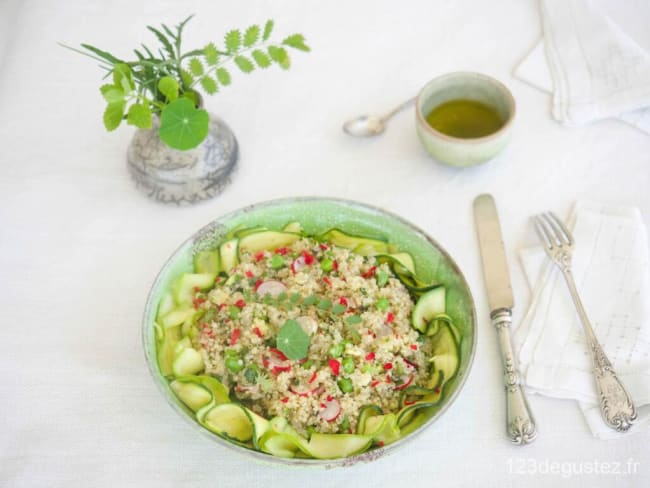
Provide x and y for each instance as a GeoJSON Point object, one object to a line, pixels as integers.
{"type": "Point", "coordinates": [389, 379]}
{"type": "Point", "coordinates": [222, 306]}
{"type": "Point", "coordinates": [309, 258]}
{"type": "Point", "coordinates": [370, 272]}
{"type": "Point", "coordinates": [257, 284]}
{"type": "Point", "coordinates": [259, 256]}
{"type": "Point", "coordinates": [370, 356]}
{"type": "Point", "coordinates": [335, 265]}
{"type": "Point", "coordinates": [335, 366]}
{"type": "Point", "coordinates": [196, 302]}
{"type": "Point", "coordinates": [284, 400]}
{"type": "Point", "coordinates": [375, 383]}
{"type": "Point", "coordinates": [323, 246]}
{"type": "Point", "coordinates": [414, 347]}
{"type": "Point", "coordinates": [388, 366]}
{"type": "Point", "coordinates": [282, 251]}
{"type": "Point", "coordinates": [258, 332]}
{"type": "Point", "coordinates": [240, 303]}
{"type": "Point", "coordinates": [343, 301]}
{"type": "Point", "coordinates": [410, 363]}
{"type": "Point", "coordinates": [313, 377]}
{"type": "Point", "coordinates": [234, 337]}
{"type": "Point", "coordinates": [390, 318]}
{"type": "Point", "coordinates": [249, 274]}
{"type": "Point", "coordinates": [327, 281]}
{"type": "Point", "coordinates": [380, 443]}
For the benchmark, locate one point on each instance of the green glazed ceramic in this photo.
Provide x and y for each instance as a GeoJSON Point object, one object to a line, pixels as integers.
{"type": "Point", "coordinates": [317, 215]}
{"type": "Point", "coordinates": [456, 151]}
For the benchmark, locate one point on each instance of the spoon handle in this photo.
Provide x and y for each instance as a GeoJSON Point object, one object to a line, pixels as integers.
{"type": "Point", "coordinates": [399, 108]}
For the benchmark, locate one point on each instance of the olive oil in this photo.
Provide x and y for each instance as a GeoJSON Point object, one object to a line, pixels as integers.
{"type": "Point", "coordinates": [464, 118]}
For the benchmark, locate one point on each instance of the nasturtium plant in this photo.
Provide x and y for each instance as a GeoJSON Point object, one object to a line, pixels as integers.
{"type": "Point", "coordinates": [165, 82]}
{"type": "Point", "coordinates": [292, 340]}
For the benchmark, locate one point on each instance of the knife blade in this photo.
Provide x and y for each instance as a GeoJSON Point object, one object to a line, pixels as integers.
{"type": "Point", "coordinates": [520, 423]}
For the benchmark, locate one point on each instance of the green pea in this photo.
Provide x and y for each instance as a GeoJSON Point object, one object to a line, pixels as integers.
{"type": "Point", "coordinates": [382, 304]}
{"type": "Point", "coordinates": [336, 350]}
{"type": "Point", "coordinates": [327, 265]}
{"type": "Point", "coordinates": [345, 425]}
{"type": "Point", "coordinates": [277, 262]}
{"type": "Point", "coordinates": [234, 364]}
{"type": "Point", "coordinates": [348, 365]}
{"type": "Point", "coordinates": [345, 384]}
{"type": "Point", "coordinates": [308, 364]}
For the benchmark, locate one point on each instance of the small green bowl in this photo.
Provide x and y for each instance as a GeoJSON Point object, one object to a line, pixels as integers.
{"type": "Point", "coordinates": [317, 215]}
{"type": "Point", "coordinates": [456, 151]}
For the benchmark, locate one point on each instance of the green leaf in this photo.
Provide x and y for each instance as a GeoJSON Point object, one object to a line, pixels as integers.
{"type": "Point", "coordinates": [338, 309]}
{"type": "Point", "coordinates": [223, 76]}
{"type": "Point", "coordinates": [168, 86]}
{"type": "Point", "coordinates": [233, 41]}
{"type": "Point", "coordinates": [353, 319]}
{"type": "Point", "coordinates": [112, 93]}
{"type": "Point", "coordinates": [260, 57]}
{"type": "Point", "coordinates": [187, 78]}
{"type": "Point", "coordinates": [310, 300]}
{"type": "Point", "coordinates": [209, 85]}
{"type": "Point", "coordinates": [292, 340]}
{"type": "Point", "coordinates": [268, 28]}
{"type": "Point", "coordinates": [139, 115]}
{"type": "Point", "coordinates": [196, 67]}
{"type": "Point", "coordinates": [251, 35]}
{"type": "Point", "coordinates": [113, 115]}
{"type": "Point", "coordinates": [296, 41]}
{"type": "Point", "coordinates": [122, 77]}
{"type": "Point", "coordinates": [244, 64]}
{"type": "Point", "coordinates": [279, 55]}
{"type": "Point", "coordinates": [164, 41]}
{"type": "Point", "coordinates": [382, 278]}
{"type": "Point", "coordinates": [211, 54]}
{"type": "Point", "coordinates": [324, 304]}
{"type": "Point", "coordinates": [102, 54]}
{"type": "Point", "coordinates": [182, 125]}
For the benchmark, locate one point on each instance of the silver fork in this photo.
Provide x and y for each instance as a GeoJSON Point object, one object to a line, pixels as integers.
{"type": "Point", "coordinates": [615, 403]}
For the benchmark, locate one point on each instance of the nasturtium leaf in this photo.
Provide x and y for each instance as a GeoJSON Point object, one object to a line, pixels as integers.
{"type": "Point", "coordinates": [292, 340]}
{"type": "Point", "coordinates": [139, 115]}
{"type": "Point", "coordinates": [223, 76]}
{"type": "Point", "coordinates": [268, 28]}
{"type": "Point", "coordinates": [261, 58]}
{"type": "Point", "coordinates": [122, 77]}
{"type": "Point", "coordinates": [168, 86]}
{"type": "Point", "coordinates": [113, 115]}
{"type": "Point", "coordinates": [196, 67]}
{"type": "Point", "coordinates": [192, 96]}
{"type": "Point", "coordinates": [112, 93]}
{"type": "Point", "coordinates": [211, 54]}
{"type": "Point", "coordinates": [209, 85]}
{"type": "Point", "coordinates": [233, 41]}
{"type": "Point", "coordinates": [244, 64]}
{"type": "Point", "coordinates": [182, 125]}
{"type": "Point", "coordinates": [251, 35]}
{"type": "Point", "coordinates": [296, 41]}
{"type": "Point", "coordinates": [279, 55]}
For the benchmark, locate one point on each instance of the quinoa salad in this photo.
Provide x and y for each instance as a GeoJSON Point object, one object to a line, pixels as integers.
{"type": "Point", "coordinates": [310, 346]}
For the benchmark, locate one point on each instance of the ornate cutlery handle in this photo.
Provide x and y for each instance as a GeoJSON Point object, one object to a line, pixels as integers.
{"type": "Point", "coordinates": [520, 423]}
{"type": "Point", "coordinates": [616, 405]}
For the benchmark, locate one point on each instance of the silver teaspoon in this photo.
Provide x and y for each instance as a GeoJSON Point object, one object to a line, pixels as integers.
{"type": "Point", "coordinates": [372, 125]}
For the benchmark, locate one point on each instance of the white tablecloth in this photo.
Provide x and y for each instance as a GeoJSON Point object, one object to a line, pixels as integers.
{"type": "Point", "coordinates": [79, 247]}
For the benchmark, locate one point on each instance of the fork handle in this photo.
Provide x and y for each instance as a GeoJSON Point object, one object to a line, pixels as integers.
{"type": "Point", "coordinates": [520, 423]}
{"type": "Point", "coordinates": [616, 405]}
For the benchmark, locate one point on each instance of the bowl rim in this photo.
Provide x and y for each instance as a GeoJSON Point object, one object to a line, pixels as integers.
{"type": "Point", "coordinates": [265, 458]}
{"type": "Point", "coordinates": [509, 98]}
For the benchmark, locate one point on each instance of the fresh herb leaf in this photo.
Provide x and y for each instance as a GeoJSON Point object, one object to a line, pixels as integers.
{"type": "Point", "coordinates": [279, 55]}
{"type": "Point", "coordinates": [310, 300]}
{"type": "Point", "coordinates": [251, 35]}
{"type": "Point", "coordinates": [112, 93]}
{"type": "Point", "coordinates": [295, 298]}
{"type": "Point", "coordinates": [382, 278]}
{"type": "Point", "coordinates": [113, 115]}
{"type": "Point", "coordinates": [268, 28]}
{"type": "Point", "coordinates": [139, 115]}
{"type": "Point", "coordinates": [353, 319]}
{"type": "Point", "coordinates": [233, 41]}
{"type": "Point", "coordinates": [168, 86]}
{"type": "Point", "coordinates": [209, 85]}
{"type": "Point", "coordinates": [233, 312]}
{"type": "Point", "coordinates": [223, 76]}
{"type": "Point", "coordinates": [296, 41]}
{"type": "Point", "coordinates": [196, 67]}
{"type": "Point", "coordinates": [324, 304]}
{"type": "Point", "coordinates": [182, 125]}
{"type": "Point", "coordinates": [292, 340]}
{"type": "Point", "coordinates": [244, 64]}
{"type": "Point", "coordinates": [261, 59]}
{"type": "Point", "coordinates": [382, 304]}
{"type": "Point", "coordinates": [211, 54]}
{"type": "Point", "coordinates": [338, 309]}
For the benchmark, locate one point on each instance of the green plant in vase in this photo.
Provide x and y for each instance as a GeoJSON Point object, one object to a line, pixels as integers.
{"type": "Point", "coordinates": [165, 81]}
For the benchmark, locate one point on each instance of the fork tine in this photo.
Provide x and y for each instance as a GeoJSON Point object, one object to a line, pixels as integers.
{"type": "Point", "coordinates": [542, 233]}
{"type": "Point", "coordinates": [560, 238]}
{"type": "Point", "coordinates": [562, 227]}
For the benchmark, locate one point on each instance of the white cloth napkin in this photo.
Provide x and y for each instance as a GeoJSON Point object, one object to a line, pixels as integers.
{"type": "Point", "coordinates": [597, 61]}
{"type": "Point", "coordinates": [612, 273]}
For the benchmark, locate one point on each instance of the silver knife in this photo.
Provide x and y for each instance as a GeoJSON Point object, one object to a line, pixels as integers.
{"type": "Point", "coordinates": [520, 423]}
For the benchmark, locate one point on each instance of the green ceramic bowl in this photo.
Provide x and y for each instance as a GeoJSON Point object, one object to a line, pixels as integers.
{"type": "Point", "coordinates": [317, 215]}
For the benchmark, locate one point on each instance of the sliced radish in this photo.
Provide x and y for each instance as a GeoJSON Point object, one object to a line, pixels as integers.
{"type": "Point", "coordinates": [271, 287]}
{"type": "Point", "coordinates": [330, 410]}
{"type": "Point", "coordinates": [298, 264]}
{"type": "Point", "coordinates": [276, 361]}
{"type": "Point", "coordinates": [302, 390]}
{"type": "Point", "coordinates": [407, 380]}
{"type": "Point", "coordinates": [308, 324]}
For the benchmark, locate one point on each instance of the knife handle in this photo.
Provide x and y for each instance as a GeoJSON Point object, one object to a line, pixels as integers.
{"type": "Point", "coordinates": [520, 423]}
